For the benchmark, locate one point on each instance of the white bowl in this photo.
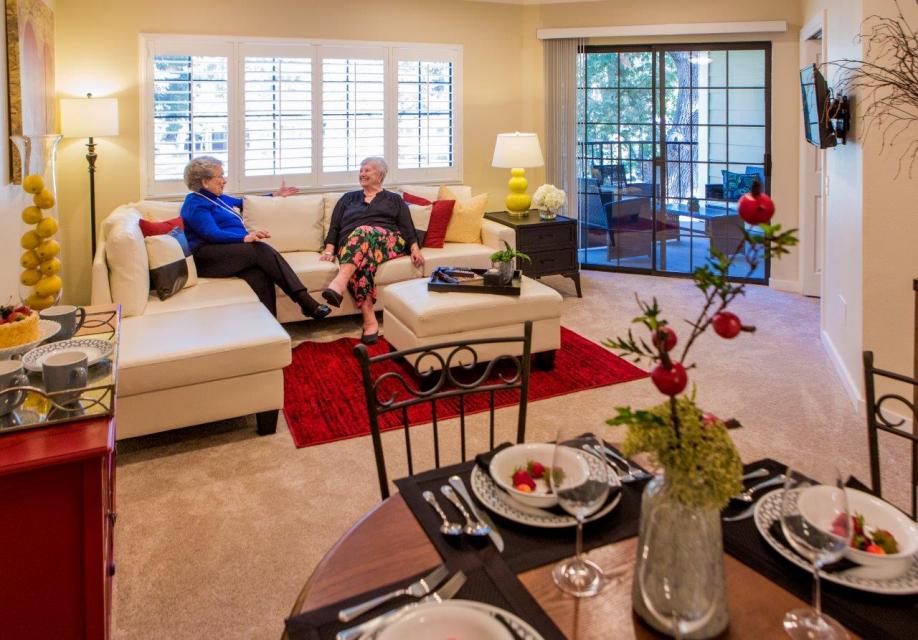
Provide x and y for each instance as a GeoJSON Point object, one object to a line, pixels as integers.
{"type": "Point", "coordinates": [877, 514]}
{"type": "Point", "coordinates": [505, 461]}
{"type": "Point", "coordinates": [444, 621]}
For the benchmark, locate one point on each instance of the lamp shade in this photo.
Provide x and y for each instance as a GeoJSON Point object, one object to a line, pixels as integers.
{"type": "Point", "coordinates": [517, 150]}
{"type": "Point", "coordinates": [89, 117]}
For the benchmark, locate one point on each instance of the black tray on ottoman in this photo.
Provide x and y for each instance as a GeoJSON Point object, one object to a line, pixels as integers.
{"type": "Point", "coordinates": [477, 285]}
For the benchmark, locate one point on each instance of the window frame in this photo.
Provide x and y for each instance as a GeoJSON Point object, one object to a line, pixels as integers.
{"type": "Point", "coordinates": [236, 48]}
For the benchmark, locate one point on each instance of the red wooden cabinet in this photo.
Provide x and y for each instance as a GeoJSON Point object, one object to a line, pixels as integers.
{"type": "Point", "coordinates": [57, 515]}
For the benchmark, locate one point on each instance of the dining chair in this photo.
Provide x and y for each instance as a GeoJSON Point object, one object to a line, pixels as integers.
{"type": "Point", "coordinates": [878, 421]}
{"type": "Point", "coordinates": [442, 372]}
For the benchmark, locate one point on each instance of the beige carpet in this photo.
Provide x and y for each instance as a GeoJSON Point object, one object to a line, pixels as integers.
{"type": "Point", "coordinates": [218, 528]}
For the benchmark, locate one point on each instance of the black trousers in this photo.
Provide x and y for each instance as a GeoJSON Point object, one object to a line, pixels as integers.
{"type": "Point", "coordinates": [259, 265]}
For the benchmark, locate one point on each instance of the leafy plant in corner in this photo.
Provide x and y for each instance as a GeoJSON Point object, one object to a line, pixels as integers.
{"type": "Point", "coordinates": [508, 254]}
{"type": "Point", "coordinates": [692, 446]}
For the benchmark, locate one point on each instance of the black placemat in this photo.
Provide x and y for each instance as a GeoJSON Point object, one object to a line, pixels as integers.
{"type": "Point", "coordinates": [526, 547]}
{"type": "Point", "coordinates": [869, 615]}
{"type": "Point", "coordinates": [492, 583]}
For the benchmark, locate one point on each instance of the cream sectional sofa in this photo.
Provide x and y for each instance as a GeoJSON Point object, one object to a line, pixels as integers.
{"type": "Point", "coordinates": [212, 351]}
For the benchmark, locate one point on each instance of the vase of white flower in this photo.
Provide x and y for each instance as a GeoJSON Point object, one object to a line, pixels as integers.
{"type": "Point", "coordinates": [548, 199]}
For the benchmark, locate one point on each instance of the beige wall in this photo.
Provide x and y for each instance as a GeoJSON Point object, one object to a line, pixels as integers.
{"type": "Point", "coordinates": [98, 51]}
{"type": "Point", "coordinates": [872, 223]}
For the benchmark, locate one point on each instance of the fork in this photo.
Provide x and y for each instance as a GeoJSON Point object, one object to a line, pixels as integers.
{"type": "Point", "coordinates": [416, 589]}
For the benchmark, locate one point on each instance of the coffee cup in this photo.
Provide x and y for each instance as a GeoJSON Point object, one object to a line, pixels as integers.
{"type": "Point", "coordinates": [70, 318]}
{"type": "Point", "coordinates": [62, 371]}
{"type": "Point", "coordinates": [11, 375]}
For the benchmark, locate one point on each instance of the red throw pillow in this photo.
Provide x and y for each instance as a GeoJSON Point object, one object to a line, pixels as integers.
{"type": "Point", "coordinates": [160, 227]}
{"type": "Point", "coordinates": [439, 219]}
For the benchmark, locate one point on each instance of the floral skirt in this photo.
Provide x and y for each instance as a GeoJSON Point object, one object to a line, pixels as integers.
{"type": "Point", "coordinates": [366, 248]}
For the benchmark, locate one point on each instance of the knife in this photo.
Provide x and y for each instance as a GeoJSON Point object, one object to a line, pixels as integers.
{"type": "Point", "coordinates": [445, 592]}
{"type": "Point", "coordinates": [416, 589]}
{"type": "Point", "coordinates": [457, 484]}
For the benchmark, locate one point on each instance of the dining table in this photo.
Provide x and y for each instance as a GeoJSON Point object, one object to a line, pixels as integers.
{"type": "Point", "coordinates": [388, 545]}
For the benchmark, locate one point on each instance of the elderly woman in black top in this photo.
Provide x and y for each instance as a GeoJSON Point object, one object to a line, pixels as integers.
{"type": "Point", "coordinates": [367, 228]}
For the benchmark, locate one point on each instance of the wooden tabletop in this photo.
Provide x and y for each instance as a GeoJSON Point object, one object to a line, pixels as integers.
{"type": "Point", "coordinates": [365, 558]}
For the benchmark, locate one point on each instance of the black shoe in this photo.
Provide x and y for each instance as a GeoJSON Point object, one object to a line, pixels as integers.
{"type": "Point", "coordinates": [319, 312]}
{"type": "Point", "coordinates": [332, 297]}
{"type": "Point", "coordinates": [370, 338]}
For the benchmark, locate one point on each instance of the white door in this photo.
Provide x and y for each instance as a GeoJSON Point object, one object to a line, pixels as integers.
{"type": "Point", "coordinates": [812, 182]}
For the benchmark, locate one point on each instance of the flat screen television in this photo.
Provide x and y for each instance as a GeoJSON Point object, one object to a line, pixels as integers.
{"type": "Point", "coordinates": [816, 124]}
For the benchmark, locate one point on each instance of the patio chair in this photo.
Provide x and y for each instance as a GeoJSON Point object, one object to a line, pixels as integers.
{"type": "Point", "coordinates": [390, 389]}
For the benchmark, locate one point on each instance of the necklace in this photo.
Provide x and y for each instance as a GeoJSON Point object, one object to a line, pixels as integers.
{"type": "Point", "coordinates": [219, 203]}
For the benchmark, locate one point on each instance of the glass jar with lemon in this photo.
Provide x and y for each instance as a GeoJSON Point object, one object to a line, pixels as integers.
{"type": "Point", "coordinates": [40, 282]}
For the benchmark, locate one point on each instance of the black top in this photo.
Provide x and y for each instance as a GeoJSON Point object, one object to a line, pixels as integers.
{"type": "Point", "coordinates": [386, 210]}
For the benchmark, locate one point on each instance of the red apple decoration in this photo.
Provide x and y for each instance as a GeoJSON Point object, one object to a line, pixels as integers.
{"type": "Point", "coordinates": [727, 325]}
{"type": "Point", "coordinates": [669, 381]}
{"type": "Point", "coordinates": [756, 207]}
{"type": "Point", "coordinates": [669, 341]}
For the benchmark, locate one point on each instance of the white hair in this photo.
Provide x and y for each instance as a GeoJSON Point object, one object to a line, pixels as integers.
{"type": "Point", "coordinates": [380, 163]}
{"type": "Point", "coordinates": [200, 169]}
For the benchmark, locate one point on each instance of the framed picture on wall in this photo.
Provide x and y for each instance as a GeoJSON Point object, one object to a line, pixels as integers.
{"type": "Point", "coordinates": [30, 61]}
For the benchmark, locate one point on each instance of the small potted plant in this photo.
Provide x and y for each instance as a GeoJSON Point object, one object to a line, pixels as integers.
{"type": "Point", "coordinates": [503, 261]}
{"type": "Point", "coordinates": [548, 199]}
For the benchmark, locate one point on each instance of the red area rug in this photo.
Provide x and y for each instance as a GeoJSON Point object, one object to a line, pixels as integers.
{"type": "Point", "coordinates": [324, 399]}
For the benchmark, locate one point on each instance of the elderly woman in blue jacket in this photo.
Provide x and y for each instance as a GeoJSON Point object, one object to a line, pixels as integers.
{"type": "Point", "coordinates": [223, 247]}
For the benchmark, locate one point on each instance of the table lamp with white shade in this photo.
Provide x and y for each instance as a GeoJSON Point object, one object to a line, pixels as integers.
{"type": "Point", "coordinates": [517, 151]}
{"type": "Point", "coordinates": [90, 118]}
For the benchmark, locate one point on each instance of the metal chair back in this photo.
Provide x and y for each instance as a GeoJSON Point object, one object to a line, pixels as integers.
{"type": "Point", "coordinates": [429, 386]}
{"type": "Point", "coordinates": [877, 421]}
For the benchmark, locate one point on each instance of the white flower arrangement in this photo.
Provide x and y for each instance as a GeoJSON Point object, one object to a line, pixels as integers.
{"type": "Point", "coordinates": [548, 196]}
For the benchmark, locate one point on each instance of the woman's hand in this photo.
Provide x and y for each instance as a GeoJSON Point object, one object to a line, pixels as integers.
{"type": "Point", "coordinates": [285, 191]}
{"type": "Point", "coordinates": [417, 258]}
{"type": "Point", "coordinates": [328, 254]}
{"type": "Point", "coordinates": [255, 236]}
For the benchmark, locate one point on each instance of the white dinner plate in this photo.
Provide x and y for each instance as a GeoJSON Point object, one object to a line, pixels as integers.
{"type": "Point", "coordinates": [94, 348]}
{"type": "Point", "coordinates": [46, 329]}
{"type": "Point", "coordinates": [457, 619]}
{"type": "Point", "coordinates": [498, 501]}
{"type": "Point", "coordinates": [768, 511]}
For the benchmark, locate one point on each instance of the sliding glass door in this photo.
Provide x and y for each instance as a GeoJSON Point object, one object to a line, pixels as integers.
{"type": "Point", "coordinates": [669, 138]}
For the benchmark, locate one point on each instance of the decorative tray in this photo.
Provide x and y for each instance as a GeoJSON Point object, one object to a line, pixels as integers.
{"type": "Point", "coordinates": [35, 407]}
{"type": "Point", "coordinates": [475, 284]}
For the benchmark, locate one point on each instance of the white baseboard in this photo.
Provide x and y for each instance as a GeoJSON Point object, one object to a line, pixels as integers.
{"type": "Point", "coordinates": [791, 286]}
{"type": "Point", "coordinates": [851, 386]}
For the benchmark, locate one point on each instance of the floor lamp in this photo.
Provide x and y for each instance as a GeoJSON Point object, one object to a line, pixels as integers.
{"type": "Point", "coordinates": [90, 118]}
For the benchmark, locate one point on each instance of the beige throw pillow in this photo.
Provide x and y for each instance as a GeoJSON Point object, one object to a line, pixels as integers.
{"type": "Point", "coordinates": [128, 265]}
{"type": "Point", "coordinates": [465, 225]}
{"type": "Point", "coordinates": [295, 222]}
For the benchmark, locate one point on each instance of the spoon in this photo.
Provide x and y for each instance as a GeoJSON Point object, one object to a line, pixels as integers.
{"type": "Point", "coordinates": [472, 527]}
{"type": "Point", "coordinates": [747, 495]}
{"type": "Point", "coordinates": [447, 528]}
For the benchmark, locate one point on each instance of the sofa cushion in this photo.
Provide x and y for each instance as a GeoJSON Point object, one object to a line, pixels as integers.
{"type": "Point", "coordinates": [170, 263]}
{"type": "Point", "coordinates": [315, 274]}
{"type": "Point", "coordinates": [437, 222]}
{"type": "Point", "coordinates": [168, 350]}
{"type": "Point", "coordinates": [457, 254]}
{"type": "Point", "coordinates": [128, 266]}
{"type": "Point", "coordinates": [329, 201]}
{"type": "Point", "coordinates": [209, 292]}
{"type": "Point", "coordinates": [157, 209]}
{"type": "Point", "coordinates": [420, 218]}
{"type": "Point", "coordinates": [396, 270]}
{"type": "Point", "coordinates": [465, 223]}
{"type": "Point", "coordinates": [295, 222]}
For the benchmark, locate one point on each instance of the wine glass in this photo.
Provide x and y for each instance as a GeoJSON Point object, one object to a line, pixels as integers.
{"type": "Point", "coordinates": [816, 523]}
{"type": "Point", "coordinates": [580, 478]}
{"type": "Point", "coordinates": [666, 556]}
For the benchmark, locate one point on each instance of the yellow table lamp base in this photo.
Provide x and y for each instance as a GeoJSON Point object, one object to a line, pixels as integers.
{"type": "Point", "coordinates": [518, 201]}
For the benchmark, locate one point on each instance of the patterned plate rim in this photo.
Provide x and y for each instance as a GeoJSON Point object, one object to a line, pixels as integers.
{"type": "Point", "coordinates": [767, 511]}
{"type": "Point", "coordinates": [46, 329]}
{"type": "Point", "coordinates": [481, 482]}
{"type": "Point", "coordinates": [521, 628]}
{"type": "Point", "coordinates": [31, 360]}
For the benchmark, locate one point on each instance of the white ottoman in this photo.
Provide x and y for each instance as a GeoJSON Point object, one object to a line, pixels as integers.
{"type": "Point", "coordinates": [416, 317]}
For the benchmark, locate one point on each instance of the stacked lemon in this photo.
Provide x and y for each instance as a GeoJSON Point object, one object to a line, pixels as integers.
{"type": "Point", "coordinates": [40, 263]}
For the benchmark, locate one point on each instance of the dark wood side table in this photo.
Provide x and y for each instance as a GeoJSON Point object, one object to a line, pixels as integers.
{"type": "Point", "coordinates": [552, 245]}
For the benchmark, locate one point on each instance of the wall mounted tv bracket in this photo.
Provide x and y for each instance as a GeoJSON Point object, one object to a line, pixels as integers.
{"type": "Point", "coordinates": [839, 117]}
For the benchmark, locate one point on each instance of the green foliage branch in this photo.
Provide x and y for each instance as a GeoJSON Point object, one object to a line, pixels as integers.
{"type": "Point", "coordinates": [508, 253]}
